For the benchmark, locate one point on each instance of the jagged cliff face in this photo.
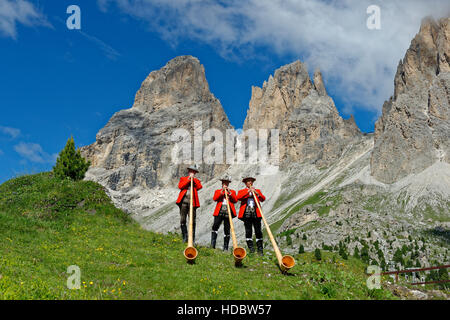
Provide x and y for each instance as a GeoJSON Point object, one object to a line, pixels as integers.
{"type": "Point", "coordinates": [310, 126]}
{"type": "Point", "coordinates": [414, 130]}
{"type": "Point", "coordinates": [134, 148]}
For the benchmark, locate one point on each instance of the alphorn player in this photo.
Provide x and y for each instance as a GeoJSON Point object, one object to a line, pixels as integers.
{"type": "Point", "coordinates": [250, 214]}
{"type": "Point", "coordinates": [184, 199]}
{"type": "Point", "coordinates": [221, 212]}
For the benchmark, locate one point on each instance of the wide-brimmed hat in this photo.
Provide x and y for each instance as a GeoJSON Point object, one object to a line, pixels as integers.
{"type": "Point", "coordinates": [193, 167]}
{"type": "Point", "coordinates": [247, 177]}
{"type": "Point", "coordinates": [225, 177]}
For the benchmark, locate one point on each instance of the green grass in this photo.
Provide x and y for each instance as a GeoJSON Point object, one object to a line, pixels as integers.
{"type": "Point", "coordinates": [284, 197]}
{"type": "Point", "coordinates": [294, 209]}
{"type": "Point", "coordinates": [436, 214]}
{"type": "Point", "coordinates": [47, 225]}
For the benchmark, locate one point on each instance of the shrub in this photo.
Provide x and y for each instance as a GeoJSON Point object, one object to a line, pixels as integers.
{"type": "Point", "coordinates": [70, 163]}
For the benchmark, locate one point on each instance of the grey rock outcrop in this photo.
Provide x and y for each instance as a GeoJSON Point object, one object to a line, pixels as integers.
{"type": "Point", "coordinates": [311, 128]}
{"type": "Point", "coordinates": [414, 130]}
{"type": "Point", "coordinates": [135, 147]}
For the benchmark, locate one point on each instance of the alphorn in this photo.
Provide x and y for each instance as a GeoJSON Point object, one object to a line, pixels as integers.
{"type": "Point", "coordinates": [190, 253]}
{"type": "Point", "coordinates": [239, 253]}
{"type": "Point", "coordinates": [285, 262]}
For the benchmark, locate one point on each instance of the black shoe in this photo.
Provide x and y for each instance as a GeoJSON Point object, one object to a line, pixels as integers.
{"type": "Point", "coordinates": [259, 245]}
{"type": "Point", "coordinates": [213, 239]}
{"type": "Point", "coordinates": [226, 241]}
{"type": "Point", "coordinates": [250, 246]}
{"type": "Point", "coordinates": [184, 233]}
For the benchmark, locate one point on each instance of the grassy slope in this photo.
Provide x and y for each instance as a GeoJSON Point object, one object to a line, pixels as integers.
{"type": "Point", "coordinates": [47, 225]}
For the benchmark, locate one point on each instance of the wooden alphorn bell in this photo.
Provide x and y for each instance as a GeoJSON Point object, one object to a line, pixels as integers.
{"type": "Point", "coordinates": [285, 262]}
{"type": "Point", "coordinates": [239, 253]}
{"type": "Point", "coordinates": [190, 253]}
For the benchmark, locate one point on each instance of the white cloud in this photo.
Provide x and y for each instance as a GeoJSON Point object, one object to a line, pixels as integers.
{"type": "Point", "coordinates": [34, 153]}
{"type": "Point", "coordinates": [11, 132]}
{"type": "Point", "coordinates": [358, 63]}
{"type": "Point", "coordinates": [13, 12]}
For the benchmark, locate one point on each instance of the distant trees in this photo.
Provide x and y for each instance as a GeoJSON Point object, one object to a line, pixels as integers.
{"type": "Point", "coordinates": [343, 250]}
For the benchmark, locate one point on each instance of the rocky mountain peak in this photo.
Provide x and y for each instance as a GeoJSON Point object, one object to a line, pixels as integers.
{"type": "Point", "coordinates": [318, 83]}
{"type": "Point", "coordinates": [182, 79]}
{"type": "Point", "coordinates": [279, 95]}
{"type": "Point", "coordinates": [134, 149]}
{"type": "Point", "coordinates": [426, 56]}
{"type": "Point", "coordinates": [414, 129]}
{"type": "Point", "coordinates": [311, 128]}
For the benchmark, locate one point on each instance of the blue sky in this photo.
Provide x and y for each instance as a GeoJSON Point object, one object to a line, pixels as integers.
{"type": "Point", "coordinates": [56, 82]}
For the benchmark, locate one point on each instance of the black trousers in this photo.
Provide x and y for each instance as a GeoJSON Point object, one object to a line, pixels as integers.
{"type": "Point", "coordinates": [184, 213]}
{"type": "Point", "coordinates": [253, 223]}
{"type": "Point", "coordinates": [218, 221]}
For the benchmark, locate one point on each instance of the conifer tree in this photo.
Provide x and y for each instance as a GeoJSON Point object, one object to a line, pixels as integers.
{"type": "Point", "coordinates": [301, 249]}
{"type": "Point", "coordinates": [70, 163]}
{"type": "Point", "coordinates": [356, 253]}
{"type": "Point", "coordinates": [318, 254]}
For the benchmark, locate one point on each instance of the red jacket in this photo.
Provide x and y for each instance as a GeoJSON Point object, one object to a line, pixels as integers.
{"type": "Point", "coordinates": [184, 185]}
{"type": "Point", "coordinates": [243, 196]}
{"type": "Point", "coordinates": [219, 195]}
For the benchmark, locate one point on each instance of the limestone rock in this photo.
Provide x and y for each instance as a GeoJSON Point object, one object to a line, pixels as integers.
{"type": "Point", "coordinates": [298, 219]}
{"type": "Point", "coordinates": [135, 147]}
{"type": "Point", "coordinates": [311, 129]}
{"type": "Point", "coordinates": [414, 129]}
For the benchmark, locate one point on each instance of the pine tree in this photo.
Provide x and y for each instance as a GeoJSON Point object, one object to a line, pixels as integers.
{"type": "Point", "coordinates": [288, 240]}
{"type": "Point", "coordinates": [365, 254]}
{"type": "Point", "coordinates": [404, 249]}
{"type": "Point", "coordinates": [70, 163]}
{"type": "Point", "coordinates": [356, 253]}
{"type": "Point", "coordinates": [343, 253]}
{"type": "Point", "coordinates": [409, 264]}
{"type": "Point", "coordinates": [398, 257]}
{"type": "Point", "coordinates": [383, 265]}
{"type": "Point", "coordinates": [301, 249]}
{"type": "Point", "coordinates": [318, 254]}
